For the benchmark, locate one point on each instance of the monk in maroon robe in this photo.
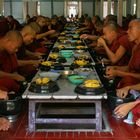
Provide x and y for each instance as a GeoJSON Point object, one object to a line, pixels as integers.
{"type": "Point", "coordinates": [131, 73]}
{"type": "Point", "coordinates": [116, 44]}
{"type": "Point", "coordinates": [9, 44]}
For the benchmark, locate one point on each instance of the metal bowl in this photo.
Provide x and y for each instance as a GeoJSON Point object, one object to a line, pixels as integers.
{"type": "Point", "coordinates": [83, 71]}
{"type": "Point", "coordinates": [66, 73]}
{"type": "Point", "coordinates": [11, 107]}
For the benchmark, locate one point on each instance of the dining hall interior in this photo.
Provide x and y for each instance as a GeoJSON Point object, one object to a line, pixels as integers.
{"type": "Point", "coordinates": [70, 69]}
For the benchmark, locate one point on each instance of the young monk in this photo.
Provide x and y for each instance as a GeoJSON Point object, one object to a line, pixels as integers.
{"type": "Point", "coordinates": [40, 38]}
{"type": "Point", "coordinates": [4, 123]}
{"type": "Point", "coordinates": [26, 58]}
{"type": "Point", "coordinates": [131, 73]}
{"type": "Point", "coordinates": [88, 26]}
{"type": "Point", "coordinates": [41, 21]}
{"type": "Point", "coordinates": [115, 44]}
{"type": "Point", "coordinates": [123, 109]}
{"type": "Point", "coordinates": [9, 45]}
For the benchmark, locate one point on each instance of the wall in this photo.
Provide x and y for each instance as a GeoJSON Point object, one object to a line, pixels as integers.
{"type": "Point", "coordinates": [87, 7]}
{"type": "Point", "coordinates": [7, 8]}
{"type": "Point", "coordinates": [58, 8]}
{"type": "Point", "coordinates": [45, 9]}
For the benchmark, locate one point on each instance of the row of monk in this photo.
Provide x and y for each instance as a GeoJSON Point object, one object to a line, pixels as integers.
{"type": "Point", "coordinates": [21, 51]}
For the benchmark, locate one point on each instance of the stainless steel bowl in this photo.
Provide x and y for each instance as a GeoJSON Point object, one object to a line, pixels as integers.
{"type": "Point", "coordinates": [66, 73]}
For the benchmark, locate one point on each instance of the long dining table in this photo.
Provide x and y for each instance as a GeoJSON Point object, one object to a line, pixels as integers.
{"type": "Point", "coordinates": [66, 110]}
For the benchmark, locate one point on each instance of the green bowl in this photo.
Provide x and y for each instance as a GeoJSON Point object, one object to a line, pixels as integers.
{"type": "Point", "coordinates": [66, 53]}
{"type": "Point", "coordinates": [76, 79]}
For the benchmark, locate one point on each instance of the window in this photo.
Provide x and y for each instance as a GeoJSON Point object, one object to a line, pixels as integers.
{"type": "Point", "coordinates": [72, 8]}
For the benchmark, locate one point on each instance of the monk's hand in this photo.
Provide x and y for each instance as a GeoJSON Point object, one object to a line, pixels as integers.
{"type": "Point", "coordinates": [3, 95]}
{"type": "Point", "coordinates": [138, 122]}
{"type": "Point", "coordinates": [110, 73]}
{"type": "Point", "coordinates": [18, 77]}
{"type": "Point", "coordinates": [101, 42]}
{"type": "Point", "coordinates": [38, 55]}
{"type": "Point", "coordinates": [123, 109]}
{"type": "Point", "coordinates": [4, 124]}
{"type": "Point", "coordinates": [35, 63]}
{"type": "Point", "coordinates": [51, 32]}
{"type": "Point", "coordinates": [123, 92]}
{"type": "Point", "coordinates": [84, 36]}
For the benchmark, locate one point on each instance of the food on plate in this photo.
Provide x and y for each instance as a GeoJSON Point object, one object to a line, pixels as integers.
{"type": "Point", "coordinates": [42, 81]}
{"type": "Point", "coordinates": [81, 62]}
{"type": "Point", "coordinates": [47, 63]}
{"type": "Point", "coordinates": [61, 47]}
{"type": "Point", "coordinates": [80, 47]}
{"type": "Point", "coordinates": [92, 83]}
{"type": "Point", "coordinates": [54, 55]}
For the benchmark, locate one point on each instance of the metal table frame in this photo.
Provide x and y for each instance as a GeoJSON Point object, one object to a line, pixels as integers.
{"type": "Point", "coordinates": [32, 120]}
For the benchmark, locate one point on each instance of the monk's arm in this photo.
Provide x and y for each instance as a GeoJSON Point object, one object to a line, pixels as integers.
{"type": "Point", "coordinates": [92, 37]}
{"type": "Point", "coordinates": [28, 62]}
{"type": "Point", "coordinates": [123, 73]}
{"type": "Point", "coordinates": [39, 36]}
{"type": "Point", "coordinates": [82, 29]}
{"type": "Point", "coordinates": [114, 57]}
{"type": "Point", "coordinates": [3, 74]}
{"type": "Point", "coordinates": [134, 87]}
{"type": "Point", "coordinates": [6, 74]}
{"type": "Point", "coordinates": [34, 54]}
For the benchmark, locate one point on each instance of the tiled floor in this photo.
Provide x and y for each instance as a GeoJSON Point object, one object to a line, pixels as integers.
{"type": "Point", "coordinates": [121, 131]}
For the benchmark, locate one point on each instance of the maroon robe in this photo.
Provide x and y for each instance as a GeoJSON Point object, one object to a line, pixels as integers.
{"type": "Point", "coordinates": [27, 69]}
{"type": "Point", "coordinates": [8, 63]}
{"type": "Point", "coordinates": [134, 67]}
{"type": "Point", "coordinates": [121, 40]}
{"type": "Point", "coordinates": [136, 113]}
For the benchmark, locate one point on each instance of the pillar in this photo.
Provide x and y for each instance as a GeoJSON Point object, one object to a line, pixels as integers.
{"type": "Point", "coordinates": [120, 12]}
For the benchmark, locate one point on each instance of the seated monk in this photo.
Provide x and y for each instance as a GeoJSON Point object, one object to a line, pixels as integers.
{"type": "Point", "coordinates": [9, 44]}
{"type": "Point", "coordinates": [131, 73]}
{"type": "Point", "coordinates": [26, 58]}
{"type": "Point", "coordinates": [40, 37]}
{"type": "Point", "coordinates": [123, 109]}
{"type": "Point", "coordinates": [115, 44]}
{"type": "Point", "coordinates": [4, 123]}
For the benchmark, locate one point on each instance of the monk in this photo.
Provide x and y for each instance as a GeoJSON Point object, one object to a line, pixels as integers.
{"type": "Point", "coordinates": [41, 37]}
{"type": "Point", "coordinates": [115, 44]}
{"type": "Point", "coordinates": [123, 109]}
{"type": "Point", "coordinates": [131, 73]}
{"type": "Point", "coordinates": [4, 123]}
{"type": "Point", "coordinates": [26, 58]}
{"type": "Point", "coordinates": [41, 21]}
{"type": "Point", "coordinates": [9, 45]}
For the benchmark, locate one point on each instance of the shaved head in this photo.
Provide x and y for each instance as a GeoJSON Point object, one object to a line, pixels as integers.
{"type": "Point", "coordinates": [28, 30]}
{"type": "Point", "coordinates": [12, 41]}
{"type": "Point", "coordinates": [134, 31]}
{"type": "Point", "coordinates": [13, 35]}
{"type": "Point", "coordinates": [136, 22]}
{"type": "Point", "coordinates": [112, 26]}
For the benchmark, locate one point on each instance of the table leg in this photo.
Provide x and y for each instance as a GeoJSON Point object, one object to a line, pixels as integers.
{"type": "Point", "coordinates": [31, 116]}
{"type": "Point", "coordinates": [98, 107]}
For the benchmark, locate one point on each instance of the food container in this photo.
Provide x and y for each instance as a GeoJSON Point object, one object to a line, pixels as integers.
{"type": "Point", "coordinates": [83, 71]}
{"type": "Point", "coordinates": [66, 73]}
{"type": "Point", "coordinates": [76, 79]}
{"type": "Point", "coordinates": [12, 107]}
{"type": "Point", "coordinates": [66, 53]}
